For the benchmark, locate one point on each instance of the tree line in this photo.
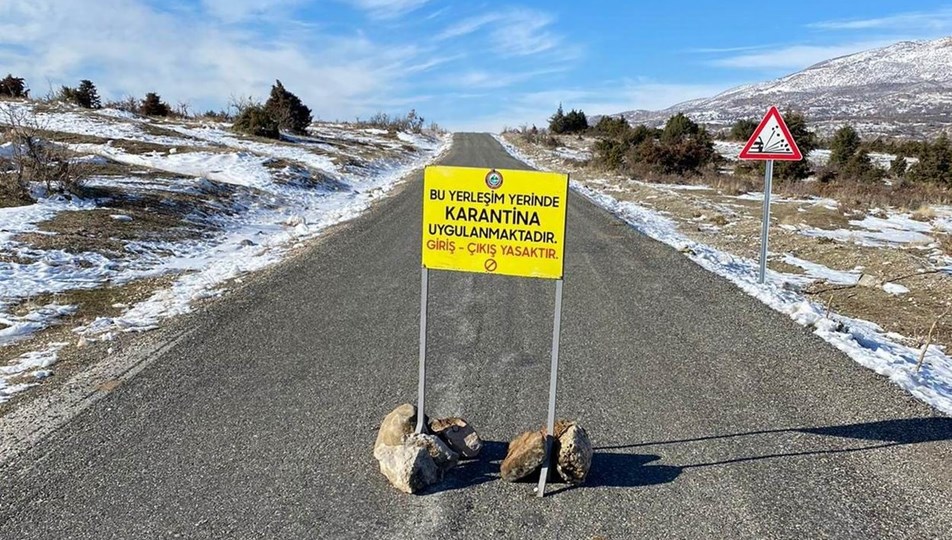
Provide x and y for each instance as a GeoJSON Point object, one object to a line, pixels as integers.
{"type": "Point", "coordinates": [684, 147]}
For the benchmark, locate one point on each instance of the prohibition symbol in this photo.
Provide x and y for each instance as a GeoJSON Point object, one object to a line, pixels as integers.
{"type": "Point", "coordinates": [490, 265]}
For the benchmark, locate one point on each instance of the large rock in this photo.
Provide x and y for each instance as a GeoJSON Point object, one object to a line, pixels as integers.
{"type": "Point", "coordinates": [574, 452]}
{"type": "Point", "coordinates": [525, 456]}
{"type": "Point", "coordinates": [411, 461]}
{"type": "Point", "coordinates": [458, 435]}
{"type": "Point", "coordinates": [408, 467]}
{"type": "Point", "coordinates": [395, 427]}
{"type": "Point", "coordinates": [443, 457]}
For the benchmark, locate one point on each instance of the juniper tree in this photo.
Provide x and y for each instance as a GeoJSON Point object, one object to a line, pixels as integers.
{"type": "Point", "coordinates": [844, 146]}
{"type": "Point", "coordinates": [152, 105]}
{"type": "Point", "coordinates": [288, 110]}
{"type": "Point", "coordinates": [13, 87]}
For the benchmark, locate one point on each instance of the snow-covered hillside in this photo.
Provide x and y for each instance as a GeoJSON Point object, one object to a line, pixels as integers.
{"type": "Point", "coordinates": [186, 204]}
{"type": "Point", "coordinates": [902, 89]}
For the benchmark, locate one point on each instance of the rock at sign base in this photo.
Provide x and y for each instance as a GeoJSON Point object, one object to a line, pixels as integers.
{"type": "Point", "coordinates": [441, 454]}
{"type": "Point", "coordinates": [395, 427]}
{"type": "Point", "coordinates": [525, 456]}
{"type": "Point", "coordinates": [574, 451]}
{"type": "Point", "coordinates": [458, 435]}
{"type": "Point", "coordinates": [408, 467]}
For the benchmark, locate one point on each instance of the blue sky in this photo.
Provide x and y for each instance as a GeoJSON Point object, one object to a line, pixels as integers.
{"type": "Point", "coordinates": [466, 65]}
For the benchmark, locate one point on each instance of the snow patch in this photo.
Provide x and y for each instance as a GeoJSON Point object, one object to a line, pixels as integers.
{"type": "Point", "coordinates": [31, 364]}
{"type": "Point", "coordinates": [863, 341]}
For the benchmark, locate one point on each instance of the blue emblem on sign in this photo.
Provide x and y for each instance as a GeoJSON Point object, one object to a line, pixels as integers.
{"type": "Point", "coordinates": [494, 179]}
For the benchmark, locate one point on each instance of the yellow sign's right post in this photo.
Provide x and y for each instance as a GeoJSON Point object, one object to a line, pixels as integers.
{"type": "Point", "coordinates": [495, 221]}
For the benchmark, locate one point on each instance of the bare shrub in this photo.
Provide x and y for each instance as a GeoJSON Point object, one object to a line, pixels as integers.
{"type": "Point", "coordinates": [128, 104]}
{"type": "Point", "coordinates": [945, 243]}
{"type": "Point", "coordinates": [924, 213]}
{"type": "Point", "coordinates": [410, 122]}
{"type": "Point", "coordinates": [34, 158]}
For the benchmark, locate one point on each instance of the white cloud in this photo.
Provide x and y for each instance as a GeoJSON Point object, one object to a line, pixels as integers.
{"type": "Point", "coordinates": [514, 33]}
{"type": "Point", "coordinates": [525, 33]}
{"type": "Point", "coordinates": [468, 26]}
{"type": "Point", "coordinates": [795, 57]}
{"type": "Point", "coordinates": [128, 47]}
{"type": "Point", "coordinates": [387, 9]}
{"type": "Point", "coordinates": [231, 11]}
{"type": "Point", "coordinates": [485, 80]}
{"type": "Point", "coordinates": [939, 20]}
{"type": "Point", "coordinates": [534, 108]}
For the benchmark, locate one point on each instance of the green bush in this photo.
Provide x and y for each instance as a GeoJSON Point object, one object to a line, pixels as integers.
{"type": "Point", "coordinates": [743, 130]}
{"type": "Point", "coordinates": [806, 141]}
{"type": "Point", "coordinates": [13, 87]}
{"type": "Point", "coordinates": [859, 167]}
{"type": "Point", "coordinates": [935, 163]}
{"type": "Point", "coordinates": [898, 166]}
{"type": "Point", "coordinates": [256, 120]}
{"type": "Point", "coordinates": [85, 95]}
{"type": "Point", "coordinates": [152, 105]}
{"type": "Point", "coordinates": [288, 110]}
{"type": "Point", "coordinates": [612, 126]}
{"type": "Point", "coordinates": [682, 147]}
{"type": "Point", "coordinates": [677, 128]}
{"type": "Point", "coordinates": [844, 146]}
{"type": "Point", "coordinates": [573, 122]}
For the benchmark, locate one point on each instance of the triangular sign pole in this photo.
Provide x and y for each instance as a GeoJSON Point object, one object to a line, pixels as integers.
{"type": "Point", "coordinates": [770, 141]}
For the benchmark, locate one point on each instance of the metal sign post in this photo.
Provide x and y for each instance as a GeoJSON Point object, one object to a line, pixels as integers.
{"type": "Point", "coordinates": [771, 140]}
{"type": "Point", "coordinates": [765, 230]}
{"type": "Point", "coordinates": [421, 386]}
{"type": "Point", "coordinates": [553, 383]}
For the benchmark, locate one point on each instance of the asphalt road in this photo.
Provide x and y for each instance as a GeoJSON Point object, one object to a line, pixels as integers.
{"type": "Point", "coordinates": [713, 416]}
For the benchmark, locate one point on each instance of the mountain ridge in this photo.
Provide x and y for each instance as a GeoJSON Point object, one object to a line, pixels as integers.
{"type": "Point", "coordinates": [903, 90]}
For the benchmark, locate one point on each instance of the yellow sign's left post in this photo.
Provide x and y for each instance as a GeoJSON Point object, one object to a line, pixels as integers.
{"type": "Point", "coordinates": [495, 221]}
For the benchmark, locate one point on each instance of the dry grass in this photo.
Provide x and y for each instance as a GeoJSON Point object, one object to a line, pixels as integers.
{"type": "Point", "coordinates": [737, 231]}
{"type": "Point", "coordinates": [97, 231]}
{"type": "Point", "coordinates": [924, 213]}
{"type": "Point", "coordinates": [945, 243]}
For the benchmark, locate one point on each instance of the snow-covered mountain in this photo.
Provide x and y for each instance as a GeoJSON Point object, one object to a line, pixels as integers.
{"type": "Point", "coordinates": [902, 89]}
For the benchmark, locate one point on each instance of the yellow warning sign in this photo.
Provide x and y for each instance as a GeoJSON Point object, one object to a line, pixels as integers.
{"type": "Point", "coordinates": [494, 221]}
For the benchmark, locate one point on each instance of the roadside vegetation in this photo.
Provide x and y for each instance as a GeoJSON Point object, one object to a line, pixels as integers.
{"type": "Point", "coordinates": [919, 171]}
{"type": "Point", "coordinates": [871, 208]}
{"type": "Point", "coordinates": [32, 155]}
{"type": "Point", "coordinates": [109, 203]}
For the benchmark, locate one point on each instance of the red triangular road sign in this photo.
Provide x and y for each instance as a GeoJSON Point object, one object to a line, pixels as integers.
{"type": "Point", "coordinates": [772, 140]}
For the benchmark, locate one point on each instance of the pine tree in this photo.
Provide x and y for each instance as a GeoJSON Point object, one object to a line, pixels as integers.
{"type": "Point", "coordinates": [677, 128]}
{"type": "Point", "coordinates": [87, 96]}
{"type": "Point", "coordinates": [288, 110]}
{"type": "Point", "coordinates": [152, 105]}
{"type": "Point", "coordinates": [574, 122]}
{"type": "Point", "coordinates": [557, 121]}
{"type": "Point", "coordinates": [743, 130]}
{"type": "Point", "coordinates": [806, 142]}
{"type": "Point", "coordinates": [935, 163]}
{"type": "Point", "coordinates": [898, 166]}
{"type": "Point", "coordinates": [844, 146]}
